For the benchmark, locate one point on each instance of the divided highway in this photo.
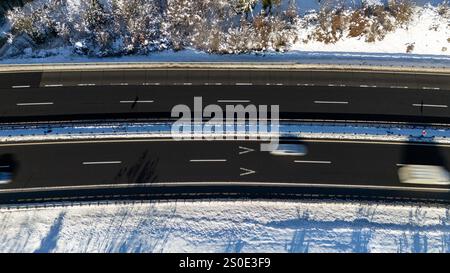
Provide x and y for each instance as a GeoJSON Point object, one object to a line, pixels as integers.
{"type": "Point", "coordinates": [164, 168]}
{"type": "Point", "coordinates": [330, 168]}
{"type": "Point", "coordinates": [151, 94]}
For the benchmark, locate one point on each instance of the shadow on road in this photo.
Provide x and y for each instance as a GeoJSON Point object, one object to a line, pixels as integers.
{"type": "Point", "coordinates": [143, 171]}
{"type": "Point", "coordinates": [9, 163]}
{"type": "Point", "coordinates": [429, 154]}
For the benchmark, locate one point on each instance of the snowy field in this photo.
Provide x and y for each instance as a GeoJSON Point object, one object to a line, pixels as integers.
{"type": "Point", "coordinates": [227, 226]}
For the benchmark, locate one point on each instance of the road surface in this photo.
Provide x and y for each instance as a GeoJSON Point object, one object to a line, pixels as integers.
{"type": "Point", "coordinates": [125, 168]}
{"type": "Point", "coordinates": [151, 94]}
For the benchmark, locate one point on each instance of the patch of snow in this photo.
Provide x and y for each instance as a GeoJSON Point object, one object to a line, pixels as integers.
{"type": "Point", "coordinates": [426, 39]}
{"type": "Point", "coordinates": [315, 130]}
{"type": "Point", "coordinates": [66, 55]}
{"type": "Point", "coordinates": [227, 226]}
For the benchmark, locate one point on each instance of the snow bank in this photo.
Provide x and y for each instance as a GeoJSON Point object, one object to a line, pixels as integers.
{"type": "Point", "coordinates": [227, 226]}
{"type": "Point", "coordinates": [313, 130]}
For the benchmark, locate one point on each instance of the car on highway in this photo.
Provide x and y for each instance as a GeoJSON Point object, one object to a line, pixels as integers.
{"type": "Point", "coordinates": [5, 177]}
{"type": "Point", "coordinates": [290, 149]}
{"type": "Point", "coordinates": [424, 174]}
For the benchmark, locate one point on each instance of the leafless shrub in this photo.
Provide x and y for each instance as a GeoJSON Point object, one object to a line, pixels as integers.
{"type": "Point", "coordinates": [372, 22]}
{"type": "Point", "coordinates": [409, 48]}
{"type": "Point", "coordinates": [401, 10]}
{"type": "Point", "coordinates": [444, 9]}
{"type": "Point", "coordinates": [331, 26]}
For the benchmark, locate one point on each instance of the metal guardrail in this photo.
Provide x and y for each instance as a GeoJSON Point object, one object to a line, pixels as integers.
{"type": "Point", "coordinates": [215, 65]}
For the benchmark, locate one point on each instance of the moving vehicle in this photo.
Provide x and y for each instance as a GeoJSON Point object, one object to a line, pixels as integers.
{"type": "Point", "coordinates": [290, 149]}
{"type": "Point", "coordinates": [5, 177]}
{"type": "Point", "coordinates": [424, 174]}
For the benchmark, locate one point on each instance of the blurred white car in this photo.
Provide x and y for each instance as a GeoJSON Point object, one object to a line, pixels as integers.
{"type": "Point", "coordinates": [290, 149]}
{"type": "Point", "coordinates": [5, 177]}
{"type": "Point", "coordinates": [424, 174]}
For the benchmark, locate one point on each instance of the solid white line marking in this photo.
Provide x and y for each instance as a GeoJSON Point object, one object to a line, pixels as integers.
{"type": "Point", "coordinates": [20, 86]}
{"type": "Point", "coordinates": [86, 84]}
{"type": "Point", "coordinates": [53, 85]}
{"type": "Point", "coordinates": [207, 160]}
{"type": "Point", "coordinates": [232, 183]}
{"type": "Point", "coordinates": [330, 102]}
{"type": "Point", "coordinates": [305, 84]}
{"type": "Point", "coordinates": [244, 83]}
{"type": "Point", "coordinates": [233, 101]}
{"type": "Point", "coordinates": [137, 101]}
{"type": "Point", "coordinates": [33, 103]}
{"type": "Point", "coordinates": [101, 162]}
{"type": "Point", "coordinates": [169, 139]}
{"type": "Point", "coordinates": [187, 83]}
{"type": "Point", "coordinates": [312, 162]}
{"type": "Point", "coordinates": [430, 105]}
{"type": "Point", "coordinates": [401, 87]}
{"type": "Point", "coordinates": [5, 166]}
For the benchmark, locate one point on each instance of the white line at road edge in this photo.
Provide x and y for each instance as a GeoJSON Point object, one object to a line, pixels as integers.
{"type": "Point", "coordinates": [162, 139]}
{"type": "Point", "coordinates": [101, 162]}
{"type": "Point", "coordinates": [33, 103]}
{"type": "Point", "coordinates": [312, 162]}
{"type": "Point", "coordinates": [207, 160]}
{"type": "Point", "coordinates": [254, 184]}
{"type": "Point", "coordinates": [20, 86]}
{"type": "Point", "coordinates": [430, 105]}
{"type": "Point", "coordinates": [330, 102]}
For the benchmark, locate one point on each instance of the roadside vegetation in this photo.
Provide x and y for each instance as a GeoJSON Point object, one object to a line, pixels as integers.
{"type": "Point", "coordinates": [129, 27]}
{"type": "Point", "coordinates": [371, 22]}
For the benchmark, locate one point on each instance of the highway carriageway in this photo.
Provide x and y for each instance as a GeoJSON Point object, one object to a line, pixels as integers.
{"type": "Point", "coordinates": [151, 94]}
{"type": "Point", "coordinates": [164, 168]}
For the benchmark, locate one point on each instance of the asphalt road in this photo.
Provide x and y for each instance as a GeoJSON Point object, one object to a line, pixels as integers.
{"type": "Point", "coordinates": [330, 168]}
{"type": "Point", "coordinates": [152, 94]}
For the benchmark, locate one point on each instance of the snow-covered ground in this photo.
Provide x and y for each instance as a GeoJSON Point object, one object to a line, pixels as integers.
{"type": "Point", "coordinates": [428, 32]}
{"type": "Point", "coordinates": [233, 226]}
{"type": "Point", "coordinates": [227, 226]}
